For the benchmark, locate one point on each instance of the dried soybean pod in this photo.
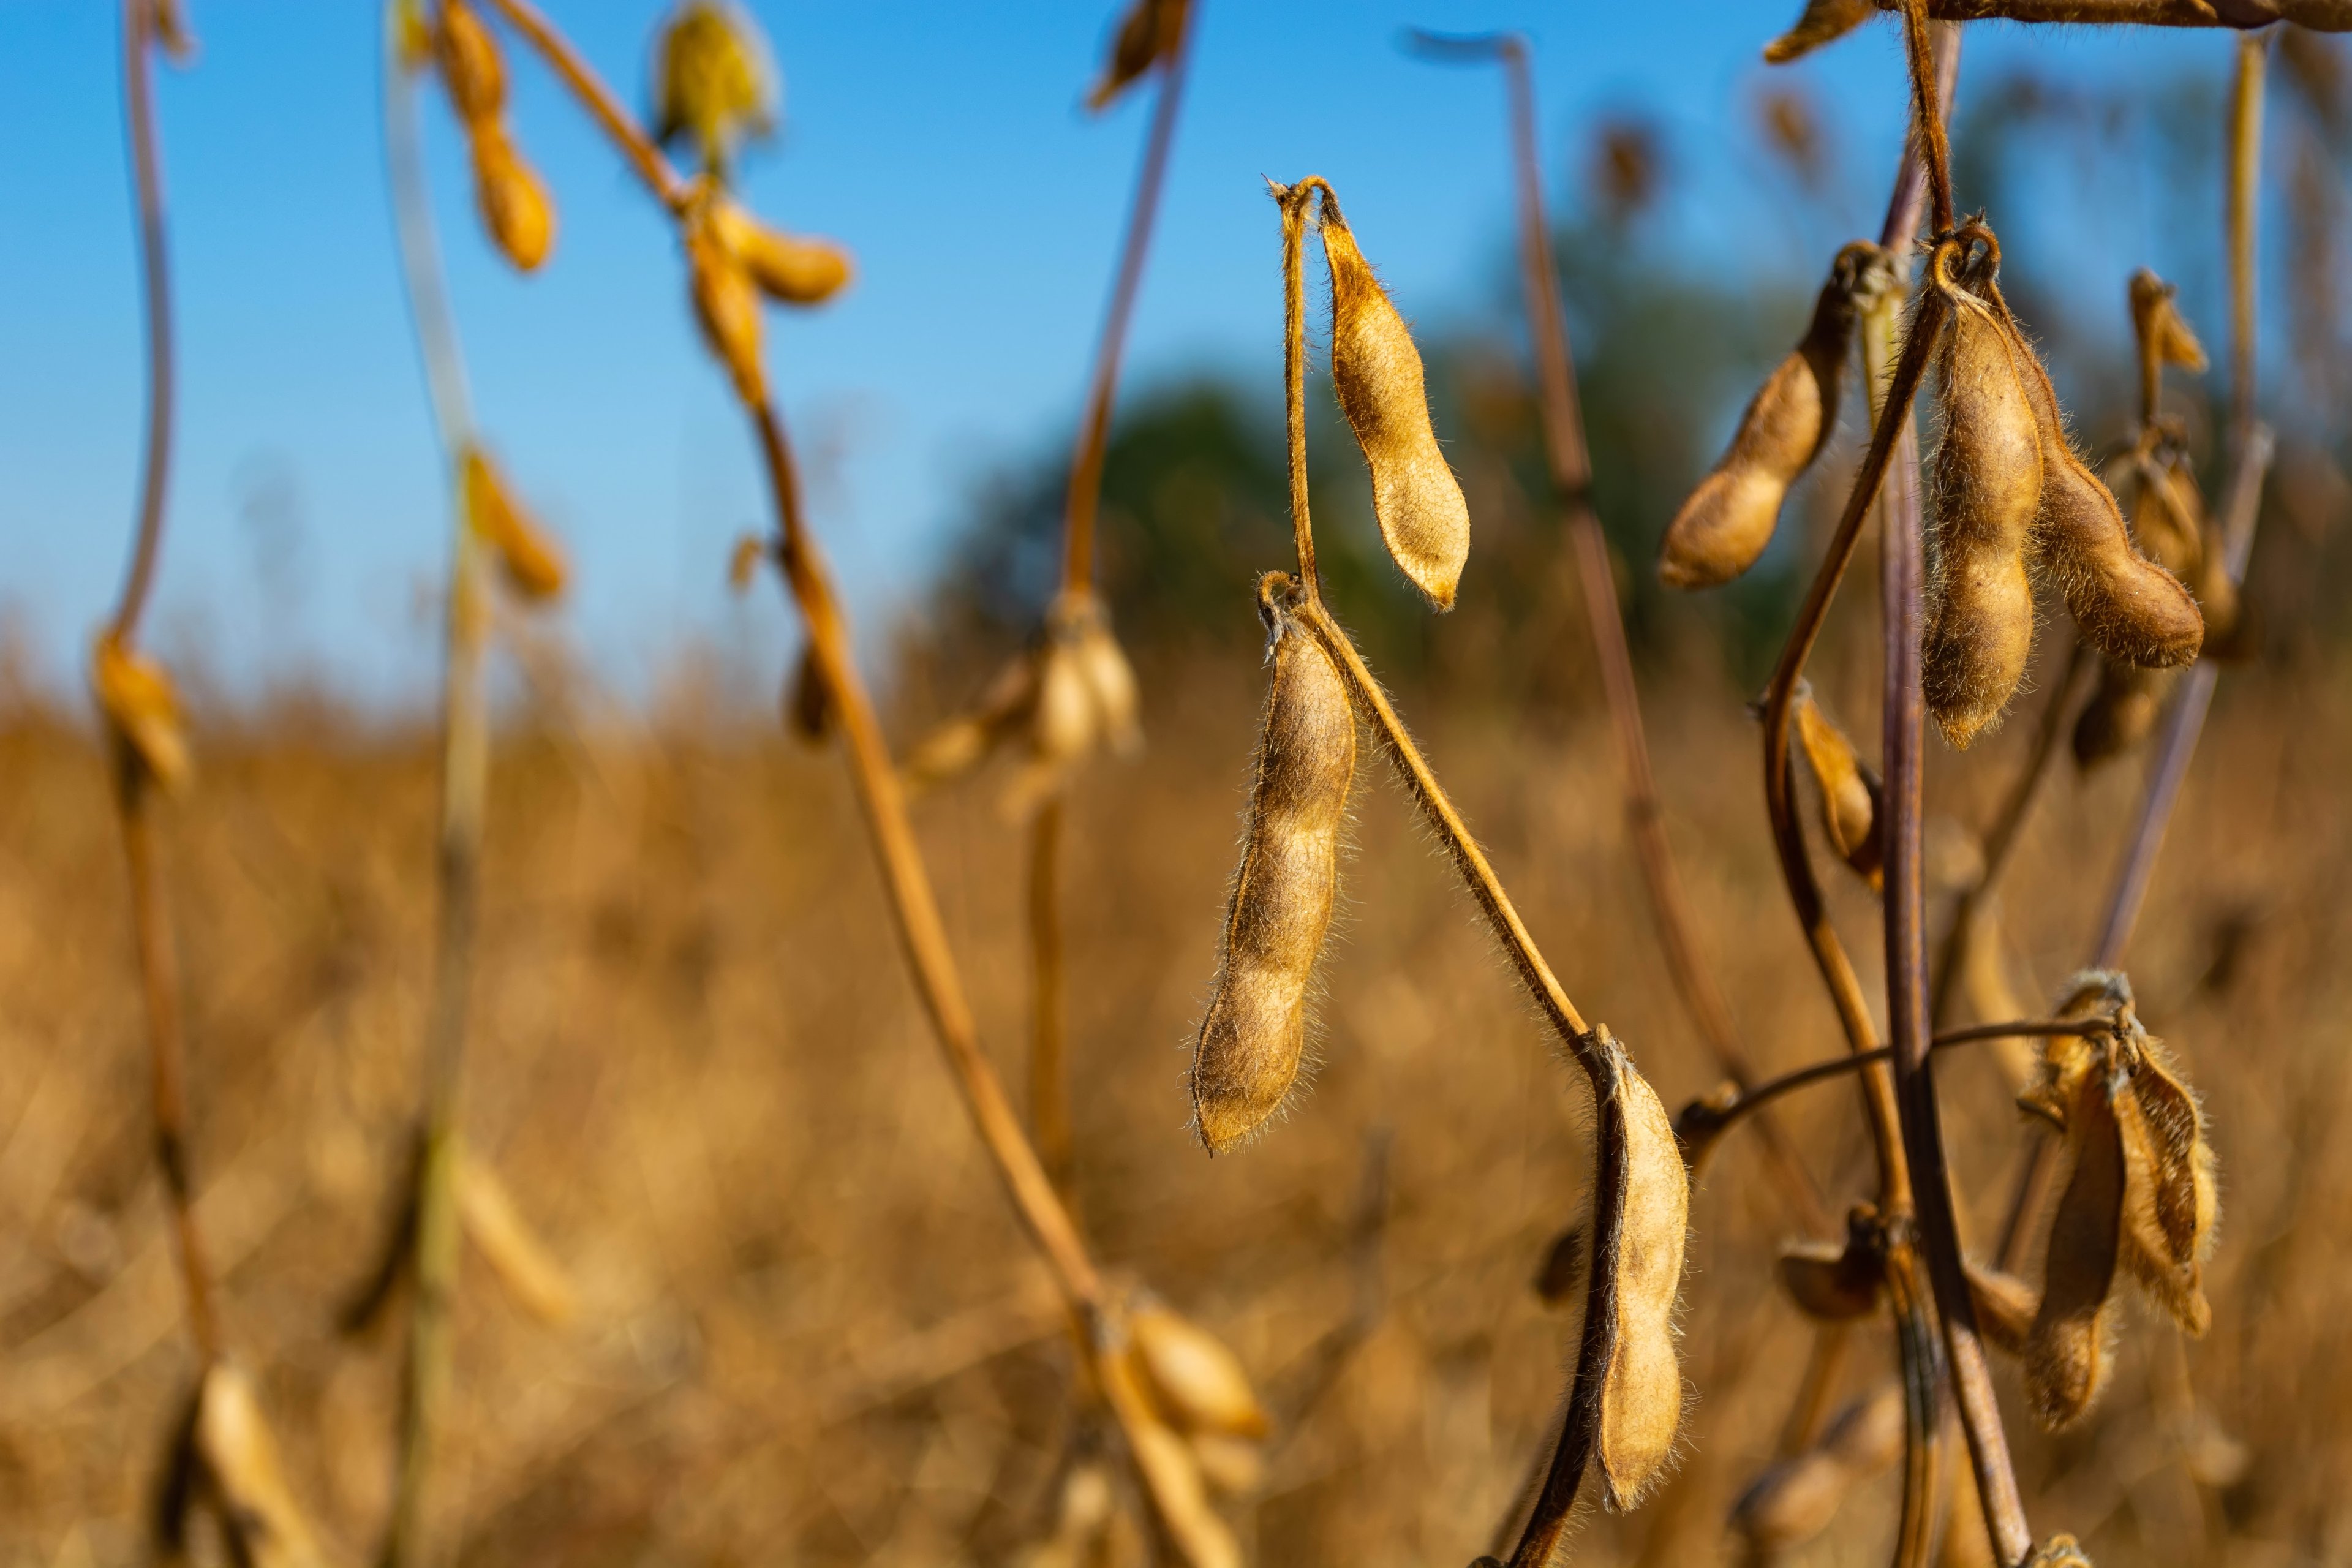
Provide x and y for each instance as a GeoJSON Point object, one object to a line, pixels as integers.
{"type": "Point", "coordinates": [1642, 1393]}
{"type": "Point", "coordinates": [713, 80]}
{"type": "Point", "coordinates": [1255, 1035]}
{"type": "Point", "coordinates": [528, 556]}
{"type": "Point", "coordinates": [1823, 21]}
{"type": "Point", "coordinates": [1794, 1500]}
{"type": "Point", "coordinates": [726, 302]}
{"type": "Point", "coordinates": [1193, 1380]}
{"type": "Point", "coordinates": [239, 1457]}
{"type": "Point", "coordinates": [471, 65]}
{"type": "Point", "coordinates": [514, 203]}
{"type": "Point", "coordinates": [1850, 790]}
{"type": "Point", "coordinates": [2169, 1199]}
{"type": "Point", "coordinates": [793, 268]}
{"type": "Point", "coordinates": [1986, 486]}
{"type": "Point", "coordinates": [2069, 1347]}
{"type": "Point", "coordinates": [1147, 34]}
{"type": "Point", "coordinates": [2129, 607]}
{"type": "Point", "coordinates": [1376, 371]}
{"type": "Point", "coordinates": [808, 706]}
{"type": "Point", "coordinates": [2005, 1308]}
{"type": "Point", "coordinates": [2168, 515]}
{"type": "Point", "coordinates": [1729, 519]}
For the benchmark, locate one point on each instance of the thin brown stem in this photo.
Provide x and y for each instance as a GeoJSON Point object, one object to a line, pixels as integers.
{"type": "Point", "coordinates": [431, 1223]}
{"type": "Point", "coordinates": [135, 785]}
{"type": "Point", "coordinates": [2320, 16]}
{"type": "Point", "coordinates": [1085, 495]}
{"type": "Point", "coordinates": [1571, 472]}
{"type": "Point", "coordinates": [1904, 905]}
{"type": "Point", "coordinates": [1927, 112]}
{"type": "Point", "coordinates": [1049, 1086]}
{"type": "Point", "coordinates": [586, 85]}
{"type": "Point", "coordinates": [1293, 201]}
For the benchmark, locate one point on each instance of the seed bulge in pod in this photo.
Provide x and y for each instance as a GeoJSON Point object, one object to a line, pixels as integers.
{"type": "Point", "coordinates": [1641, 1396]}
{"type": "Point", "coordinates": [795, 269]}
{"type": "Point", "coordinates": [1255, 1035]}
{"type": "Point", "coordinates": [2126, 605]}
{"type": "Point", "coordinates": [726, 302]}
{"type": "Point", "coordinates": [2069, 1346]}
{"type": "Point", "coordinates": [514, 203]}
{"type": "Point", "coordinates": [1376, 371]}
{"type": "Point", "coordinates": [1729, 519]}
{"type": "Point", "coordinates": [136, 694]}
{"type": "Point", "coordinates": [1985, 488]}
{"type": "Point", "coordinates": [470, 67]}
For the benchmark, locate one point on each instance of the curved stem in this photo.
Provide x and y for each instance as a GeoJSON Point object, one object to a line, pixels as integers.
{"type": "Point", "coordinates": [1085, 496]}
{"type": "Point", "coordinates": [433, 1232]}
{"type": "Point", "coordinates": [586, 85]}
{"type": "Point", "coordinates": [1293, 200]}
{"type": "Point", "coordinates": [134, 786]}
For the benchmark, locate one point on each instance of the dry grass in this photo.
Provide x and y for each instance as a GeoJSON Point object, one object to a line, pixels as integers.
{"type": "Point", "coordinates": [811, 1331]}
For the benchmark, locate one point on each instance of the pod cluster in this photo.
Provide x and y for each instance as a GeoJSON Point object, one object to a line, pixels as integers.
{"type": "Point", "coordinates": [513, 200]}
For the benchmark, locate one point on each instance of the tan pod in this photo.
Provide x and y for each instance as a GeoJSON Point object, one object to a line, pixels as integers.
{"type": "Point", "coordinates": [1641, 1395]}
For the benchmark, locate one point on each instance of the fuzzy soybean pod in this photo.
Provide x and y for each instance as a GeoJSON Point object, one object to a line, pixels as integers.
{"type": "Point", "coordinates": [1729, 518]}
{"type": "Point", "coordinates": [1986, 486]}
{"type": "Point", "coordinates": [1639, 1260]}
{"type": "Point", "coordinates": [1255, 1035]}
{"type": "Point", "coordinates": [2126, 606]}
{"type": "Point", "coordinates": [1795, 1499]}
{"type": "Point", "coordinates": [1376, 371]}
{"type": "Point", "coordinates": [2069, 1348]}
{"type": "Point", "coordinates": [514, 201]}
{"type": "Point", "coordinates": [2170, 1201]}
{"type": "Point", "coordinates": [1849, 789]}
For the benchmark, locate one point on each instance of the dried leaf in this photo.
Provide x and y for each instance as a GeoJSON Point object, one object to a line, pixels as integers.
{"type": "Point", "coordinates": [1147, 35]}
{"type": "Point", "coordinates": [1823, 21]}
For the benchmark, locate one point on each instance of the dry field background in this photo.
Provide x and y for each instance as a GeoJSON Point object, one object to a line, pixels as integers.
{"type": "Point", "coordinates": [810, 1331]}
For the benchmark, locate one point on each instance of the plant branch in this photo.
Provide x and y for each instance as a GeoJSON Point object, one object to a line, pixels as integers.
{"type": "Point", "coordinates": [1566, 446]}
{"type": "Point", "coordinates": [433, 1229]}
{"type": "Point", "coordinates": [1293, 200]}
{"type": "Point", "coordinates": [616, 121]}
{"type": "Point", "coordinates": [2320, 16]}
{"type": "Point", "coordinates": [134, 782]}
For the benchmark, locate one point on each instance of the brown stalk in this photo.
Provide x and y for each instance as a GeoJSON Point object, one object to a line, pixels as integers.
{"type": "Point", "coordinates": [1571, 473]}
{"type": "Point", "coordinates": [1049, 1090]}
{"type": "Point", "coordinates": [2241, 510]}
{"type": "Point", "coordinates": [914, 907]}
{"type": "Point", "coordinates": [134, 785]}
{"type": "Point", "coordinates": [1905, 921]}
{"type": "Point", "coordinates": [431, 1227]}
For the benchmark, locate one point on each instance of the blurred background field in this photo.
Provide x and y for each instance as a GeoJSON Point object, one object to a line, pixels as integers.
{"type": "Point", "coordinates": [808, 1328]}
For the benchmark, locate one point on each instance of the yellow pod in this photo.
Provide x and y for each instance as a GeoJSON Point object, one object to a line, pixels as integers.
{"type": "Point", "coordinates": [1641, 1396]}
{"type": "Point", "coordinates": [1376, 371]}
{"type": "Point", "coordinates": [1849, 789]}
{"type": "Point", "coordinates": [2170, 1201]}
{"type": "Point", "coordinates": [526, 553]}
{"type": "Point", "coordinates": [514, 205]}
{"type": "Point", "coordinates": [1253, 1037]}
{"type": "Point", "coordinates": [1794, 1500]}
{"type": "Point", "coordinates": [1986, 486]}
{"type": "Point", "coordinates": [240, 1456]}
{"type": "Point", "coordinates": [1729, 519]}
{"type": "Point", "coordinates": [137, 696]}
{"type": "Point", "coordinates": [726, 303]}
{"type": "Point", "coordinates": [471, 65]}
{"type": "Point", "coordinates": [793, 268]}
{"type": "Point", "coordinates": [1193, 1380]}
{"type": "Point", "coordinates": [712, 80]}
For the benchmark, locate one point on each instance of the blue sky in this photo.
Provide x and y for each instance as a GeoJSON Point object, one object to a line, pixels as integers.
{"type": "Point", "coordinates": [942, 142]}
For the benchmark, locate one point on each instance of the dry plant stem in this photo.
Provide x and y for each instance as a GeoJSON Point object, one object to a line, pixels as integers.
{"type": "Point", "coordinates": [590, 89]}
{"type": "Point", "coordinates": [2320, 15]}
{"type": "Point", "coordinates": [1571, 472]}
{"type": "Point", "coordinates": [134, 796]}
{"type": "Point", "coordinates": [1085, 495]}
{"type": "Point", "coordinates": [1904, 904]}
{"type": "Point", "coordinates": [1049, 1087]}
{"type": "Point", "coordinates": [464, 769]}
{"type": "Point", "coordinates": [1049, 1092]}
{"type": "Point", "coordinates": [2000, 839]}
{"type": "Point", "coordinates": [1293, 201]}
{"type": "Point", "coordinates": [1755, 1099]}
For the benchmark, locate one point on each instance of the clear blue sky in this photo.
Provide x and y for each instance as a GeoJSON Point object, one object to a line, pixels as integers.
{"type": "Point", "coordinates": [942, 141]}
